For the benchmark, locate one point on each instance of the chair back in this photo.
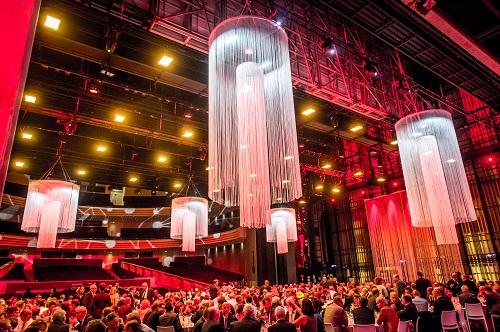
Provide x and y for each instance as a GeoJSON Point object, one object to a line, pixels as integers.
{"type": "Point", "coordinates": [462, 321]}
{"type": "Point", "coordinates": [474, 310]}
{"type": "Point", "coordinates": [165, 329]}
{"type": "Point", "coordinates": [416, 326]}
{"type": "Point", "coordinates": [449, 320]}
{"type": "Point", "coordinates": [364, 328]}
{"type": "Point", "coordinates": [329, 327]}
{"type": "Point", "coordinates": [495, 319]}
{"type": "Point", "coordinates": [403, 326]}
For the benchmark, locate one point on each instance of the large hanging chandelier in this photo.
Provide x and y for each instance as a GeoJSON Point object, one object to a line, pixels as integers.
{"type": "Point", "coordinates": [253, 152]}
{"type": "Point", "coordinates": [436, 183]}
{"type": "Point", "coordinates": [50, 208]}
{"type": "Point", "coordinates": [189, 217]}
{"type": "Point", "coordinates": [283, 228]}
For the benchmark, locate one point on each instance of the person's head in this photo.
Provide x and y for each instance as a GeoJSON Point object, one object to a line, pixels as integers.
{"type": "Point", "coordinates": [144, 285]}
{"type": "Point", "coordinates": [395, 278]}
{"type": "Point", "coordinates": [169, 306]}
{"type": "Point", "coordinates": [213, 313]}
{"type": "Point", "coordinates": [112, 290]}
{"type": "Point", "coordinates": [279, 312]}
{"type": "Point", "coordinates": [226, 308]}
{"type": "Point", "coordinates": [454, 276]}
{"type": "Point", "coordinates": [25, 315]}
{"type": "Point", "coordinates": [132, 326]}
{"type": "Point", "coordinates": [307, 307]}
{"type": "Point", "coordinates": [340, 290]}
{"type": "Point", "coordinates": [378, 281]}
{"type": "Point", "coordinates": [363, 301]}
{"type": "Point", "coordinates": [405, 299]}
{"type": "Point", "coordinates": [381, 302]}
{"type": "Point", "coordinates": [394, 297]}
{"type": "Point", "coordinates": [338, 301]}
{"type": "Point", "coordinates": [266, 282]}
{"type": "Point", "coordinates": [134, 315]}
{"type": "Point", "coordinates": [375, 291]}
{"type": "Point", "coordinates": [40, 323]}
{"type": "Point", "coordinates": [215, 282]}
{"type": "Point", "coordinates": [416, 293]}
{"type": "Point", "coordinates": [464, 289]}
{"type": "Point", "coordinates": [95, 325]}
{"type": "Point", "coordinates": [59, 315]}
{"type": "Point", "coordinates": [93, 288]}
{"type": "Point", "coordinates": [437, 292]}
{"type": "Point", "coordinates": [11, 311]}
{"type": "Point", "coordinates": [420, 274]}
{"type": "Point", "coordinates": [113, 321]}
{"type": "Point", "coordinates": [80, 312]}
{"type": "Point", "coordinates": [248, 310]}
{"type": "Point", "coordinates": [448, 292]}
{"type": "Point", "coordinates": [5, 325]}
{"type": "Point", "coordinates": [102, 287]}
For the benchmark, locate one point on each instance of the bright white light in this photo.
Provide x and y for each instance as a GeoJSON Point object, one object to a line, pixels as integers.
{"type": "Point", "coordinates": [288, 157]}
{"type": "Point", "coordinates": [27, 136]}
{"type": "Point", "coordinates": [165, 61]}
{"type": "Point", "coordinates": [451, 160]}
{"type": "Point", "coordinates": [253, 175]}
{"type": "Point", "coordinates": [119, 118]}
{"type": "Point", "coordinates": [30, 99]}
{"type": "Point", "coordinates": [308, 111]}
{"type": "Point", "coordinates": [248, 51]}
{"type": "Point", "coordinates": [52, 22]}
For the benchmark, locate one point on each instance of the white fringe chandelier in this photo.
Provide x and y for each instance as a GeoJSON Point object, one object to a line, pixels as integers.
{"type": "Point", "coordinates": [50, 208]}
{"type": "Point", "coordinates": [283, 228]}
{"type": "Point", "coordinates": [253, 151]}
{"type": "Point", "coordinates": [436, 183]}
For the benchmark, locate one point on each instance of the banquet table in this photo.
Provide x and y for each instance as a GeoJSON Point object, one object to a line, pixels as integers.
{"type": "Point", "coordinates": [187, 324]}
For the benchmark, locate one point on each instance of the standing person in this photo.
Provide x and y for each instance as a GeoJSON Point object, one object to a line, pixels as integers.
{"type": "Point", "coordinates": [24, 320]}
{"type": "Point", "coordinates": [82, 319]}
{"type": "Point", "coordinates": [454, 284]}
{"type": "Point", "coordinates": [212, 324]}
{"type": "Point", "coordinates": [146, 293]}
{"type": "Point", "coordinates": [113, 295]}
{"type": "Point", "coordinates": [248, 323]}
{"type": "Point", "coordinates": [307, 322]}
{"type": "Point", "coordinates": [88, 298]}
{"type": "Point", "coordinates": [336, 315]}
{"type": "Point", "coordinates": [292, 312]}
{"type": "Point", "coordinates": [226, 316]}
{"type": "Point", "coordinates": [101, 301]}
{"type": "Point", "coordinates": [469, 282]}
{"type": "Point", "coordinates": [214, 289]}
{"type": "Point", "coordinates": [170, 318]}
{"type": "Point", "coordinates": [388, 316]}
{"type": "Point", "coordinates": [422, 284]}
{"type": "Point", "coordinates": [58, 322]}
{"type": "Point", "coordinates": [281, 325]}
{"type": "Point", "coordinates": [398, 284]}
{"type": "Point", "coordinates": [395, 302]}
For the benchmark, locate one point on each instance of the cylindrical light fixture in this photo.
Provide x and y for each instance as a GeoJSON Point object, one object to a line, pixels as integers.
{"type": "Point", "coordinates": [435, 179]}
{"type": "Point", "coordinates": [50, 208]}
{"type": "Point", "coordinates": [189, 220]}
{"type": "Point", "coordinates": [283, 228]}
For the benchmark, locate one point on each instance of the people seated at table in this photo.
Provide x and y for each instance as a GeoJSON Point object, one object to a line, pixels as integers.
{"type": "Point", "coordinates": [307, 322]}
{"type": "Point", "coordinates": [388, 316]}
{"type": "Point", "coordinates": [281, 325]}
{"type": "Point", "coordinates": [409, 311]}
{"type": "Point", "coordinates": [226, 315]}
{"type": "Point", "coordinates": [396, 302]}
{"type": "Point", "coordinates": [372, 299]}
{"type": "Point", "coordinates": [170, 318]}
{"type": "Point", "coordinates": [363, 314]}
{"type": "Point", "coordinates": [440, 304]}
{"type": "Point", "coordinates": [212, 323]}
{"type": "Point", "coordinates": [421, 304]}
{"type": "Point", "coordinates": [248, 323]}
{"type": "Point", "coordinates": [466, 296]}
{"type": "Point", "coordinates": [335, 314]}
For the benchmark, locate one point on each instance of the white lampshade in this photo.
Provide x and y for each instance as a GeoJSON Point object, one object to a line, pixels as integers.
{"type": "Point", "coordinates": [435, 179]}
{"type": "Point", "coordinates": [283, 228]}
{"type": "Point", "coordinates": [253, 150]}
{"type": "Point", "coordinates": [50, 208]}
{"type": "Point", "coordinates": [189, 220]}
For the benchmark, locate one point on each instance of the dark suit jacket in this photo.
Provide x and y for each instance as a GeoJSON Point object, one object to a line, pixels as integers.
{"type": "Point", "coordinates": [199, 324]}
{"type": "Point", "coordinates": [349, 300]}
{"type": "Point", "coordinates": [295, 316]}
{"type": "Point", "coordinates": [197, 315]}
{"type": "Point", "coordinates": [213, 291]}
{"type": "Point", "coordinates": [212, 326]}
{"type": "Point", "coordinates": [245, 325]}
{"type": "Point", "coordinates": [170, 318]}
{"type": "Point", "coordinates": [57, 326]}
{"type": "Point", "coordinates": [364, 315]}
{"type": "Point", "coordinates": [149, 294]}
{"type": "Point", "coordinates": [467, 298]}
{"type": "Point", "coordinates": [409, 312]}
{"type": "Point", "coordinates": [88, 301]}
{"type": "Point", "coordinates": [153, 319]}
{"type": "Point", "coordinates": [101, 301]}
{"type": "Point", "coordinates": [282, 326]}
{"type": "Point", "coordinates": [226, 322]}
{"type": "Point", "coordinates": [80, 326]}
{"type": "Point", "coordinates": [422, 284]}
{"type": "Point", "coordinates": [441, 304]}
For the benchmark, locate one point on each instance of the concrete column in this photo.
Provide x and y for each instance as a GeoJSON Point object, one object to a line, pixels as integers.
{"type": "Point", "coordinates": [18, 19]}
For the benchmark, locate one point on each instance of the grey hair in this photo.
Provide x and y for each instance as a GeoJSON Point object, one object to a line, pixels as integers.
{"type": "Point", "coordinates": [279, 312]}
{"type": "Point", "coordinates": [59, 315]}
{"type": "Point", "coordinates": [248, 310]}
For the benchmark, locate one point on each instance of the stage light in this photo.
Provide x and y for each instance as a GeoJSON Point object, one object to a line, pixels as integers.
{"type": "Point", "coordinates": [216, 190]}
{"type": "Point", "coordinates": [81, 172]}
{"type": "Point", "coordinates": [302, 201]}
{"type": "Point", "coordinates": [19, 164]}
{"type": "Point", "coordinates": [93, 89]}
{"type": "Point", "coordinates": [52, 22]}
{"type": "Point", "coordinates": [26, 135]}
{"type": "Point", "coordinates": [395, 184]}
{"type": "Point", "coordinates": [162, 159]}
{"type": "Point", "coordinates": [101, 148]}
{"type": "Point", "coordinates": [319, 187]}
{"type": "Point", "coordinates": [381, 179]}
{"type": "Point", "coordinates": [308, 111]}
{"type": "Point", "coordinates": [358, 173]}
{"type": "Point", "coordinates": [328, 46]}
{"type": "Point", "coordinates": [177, 185]}
{"type": "Point", "coordinates": [119, 118]}
{"type": "Point", "coordinates": [336, 190]}
{"type": "Point", "coordinates": [107, 72]}
{"type": "Point", "coordinates": [356, 128]}
{"type": "Point", "coordinates": [188, 115]}
{"type": "Point", "coordinates": [278, 17]}
{"type": "Point", "coordinates": [394, 142]}
{"type": "Point", "coordinates": [133, 179]}
{"type": "Point", "coordinates": [165, 61]}
{"type": "Point", "coordinates": [450, 160]}
{"type": "Point", "coordinates": [326, 166]}
{"type": "Point", "coordinates": [30, 99]}
{"type": "Point", "coordinates": [187, 133]}
{"type": "Point", "coordinates": [288, 157]}
{"type": "Point", "coordinates": [490, 159]}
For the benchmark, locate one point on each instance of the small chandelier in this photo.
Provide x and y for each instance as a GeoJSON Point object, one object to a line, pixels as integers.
{"type": "Point", "coordinates": [189, 218]}
{"type": "Point", "coordinates": [436, 183]}
{"type": "Point", "coordinates": [283, 228]}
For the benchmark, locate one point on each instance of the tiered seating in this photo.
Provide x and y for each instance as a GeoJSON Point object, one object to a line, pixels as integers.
{"type": "Point", "coordinates": [62, 269]}
{"type": "Point", "coordinates": [16, 273]}
{"type": "Point", "coordinates": [201, 273]}
{"type": "Point", "coordinates": [122, 273]}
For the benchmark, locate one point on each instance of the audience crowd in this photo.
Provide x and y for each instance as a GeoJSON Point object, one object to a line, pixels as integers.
{"type": "Point", "coordinates": [232, 307]}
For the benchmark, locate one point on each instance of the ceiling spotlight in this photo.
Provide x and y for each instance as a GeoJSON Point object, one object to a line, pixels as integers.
{"type": "Point", "coordinates": [395, 184]}
{"type": "Point", "coordinates": [394, 142]}
{"type": "Point", "coordinates": [302, 201]}
{"type": "Point", "coordinates": [19, 163]}
{"type": "Point", "coordinates": [52, 22]}
{"type": "Point", "coordinates": [209, 168]}
{"type": "Point", "coordinates": [133, 179]}
{"type": "Point", "coordinates": [451, 160]}
{"type": "Point", "coordinates": [119, 118]}
{"type": "Point", "coordinates": [319, 187]}
{"type": "Point", "coordinates": [308, 111]}
{"type": "Point", "coordinates": [369, 69]}
{"type": "Point", "coordinates": [93, 89]}
{"type": "Point", "coordinates": [165, 61]}
{"type": "Point", "coordinates": [105, 221]}
{"type": "Point", "coordinates": [107, 72]}
{"type": "Point", "coordinates": [356, 128]}
{"type": "Point", "coordinates": [81, 172]}
{"type": "Point", "coordinates": [177, 185]}
{"type": "Point", "coordinates": [27, 135]}
{"type": "Point", "coordinates": [358, 173]}
{"type": "Point", "coordinates": [188, 115]}
{"type": "Point", "coordinates": [30, 99]}
{"type": "Point", "coordinates": [381, 179]}
{"type": "Point", "coordinates": [162, 159]}
{"type": "Point", "coordinates": [328, 46]}
{"type": "Point", "coordinates": [101, 148]}
{"type": "Point", "coordinates": [187, 133]}
{"type": "Point", "coordinates": [336, 190]}
{"type": "Point", "coordinates": [326, 166]}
